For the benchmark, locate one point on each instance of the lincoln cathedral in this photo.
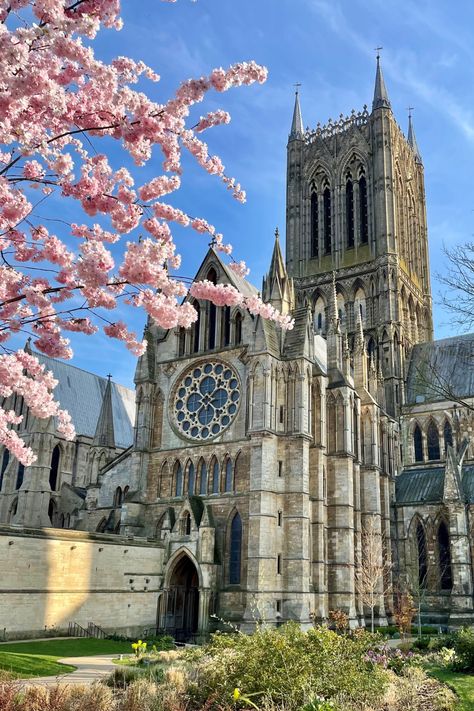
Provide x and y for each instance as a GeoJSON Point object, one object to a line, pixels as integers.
{"type": "Point", "coordinates": [249, 461]}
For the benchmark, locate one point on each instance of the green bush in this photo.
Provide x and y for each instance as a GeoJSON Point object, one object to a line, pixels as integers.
{"type": "Point", "coordinates": [464, 648]}
{"type": "Point", "coordinates": [121, 677]}
{"type": "Point", "coordinates": [421, 643]}
{"type": "Point", "coordinates": [442, 641]}
{"type": "Point", "coordinates": [285, 666]}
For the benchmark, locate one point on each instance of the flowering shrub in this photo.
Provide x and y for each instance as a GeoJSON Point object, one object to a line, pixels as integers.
{"type": "Point", "coordinates": [139, 648]}
{"type": "Point", "coordinates": [56, 96]}
{"type": "Point", "coordinates": [389, 657]}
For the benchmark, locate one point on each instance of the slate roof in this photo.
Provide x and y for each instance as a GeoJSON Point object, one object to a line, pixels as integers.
{"type": "Point", "coordinates": [426, 485]}
{"type": "Point", "coordinates": [440, 364]}
{"type": "Point", "coordinates": [81, 394]}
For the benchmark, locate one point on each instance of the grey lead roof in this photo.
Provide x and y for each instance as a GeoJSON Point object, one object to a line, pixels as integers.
{"type": "Point", "coordinates": [81, 394]}
{"type": "Point", "coordinates": [441, 370]}
{"type": "Point", "coordinates": [426, 485]}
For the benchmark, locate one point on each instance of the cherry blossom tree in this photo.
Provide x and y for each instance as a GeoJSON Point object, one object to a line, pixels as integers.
{"type": "Point", "coordinates": [57, 99]}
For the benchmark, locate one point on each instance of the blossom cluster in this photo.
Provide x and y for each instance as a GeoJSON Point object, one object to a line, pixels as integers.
{"type": "Point", "coordinates": [56, 97]}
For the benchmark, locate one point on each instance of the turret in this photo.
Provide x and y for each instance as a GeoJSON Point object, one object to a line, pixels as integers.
{"type": "Point", "coordinates": [381, 100]}
{"type": "Point", "coordinates": [104, 432]}
{"type": "Point", "coordinates": [412, 141]}
{"type": "Point", "coordinates": [277, 287]}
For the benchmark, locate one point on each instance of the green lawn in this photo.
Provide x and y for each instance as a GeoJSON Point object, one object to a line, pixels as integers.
{"type": "Point", "coordinates": [26, 659]}
{"type": "Point", "coordinates": [462, 684]}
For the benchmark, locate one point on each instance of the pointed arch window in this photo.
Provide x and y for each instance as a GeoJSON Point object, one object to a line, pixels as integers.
{"type": "Point", "coordinates": [20, 476]}
{"type": "Point", "coordinates": [349, 214]}
{"type": "Point", "coordinates": [203, 479]}
{"type": "Point", "coordinates": [422, 555]}
{"type": "Point", "coordinates": [181, 341]}
{"type": "Point", "coordinates": [363, 212]}
{"type": "Point", "coordinates": [5, 460]}
{"type": "Point", "coordinates": [212, 313]}
{"type": "Point", "coordinates": [327, 220]}
{"type": "Point", "coordinates": [238, 329]}
{"type": "Point", "coordinates": [418, 443]}
{"type": "Point", "coordinates": [54, 469]}
{"type": "Point", "coordinates": [433, 441]}
{"type": "Point", "coordinates": [229, 476]}
{"type": "Point", "coordinates": [314, 225]}
{"type": "Point", "coordinates": [191, 479]}
{"type": "Point", "coordinates": [52, 512]}
{"type": "Point", "coordinates": [118, 497]}
{"type": "Point", "coordinates": [179, 480]}
{"type": "Point", "coordinates": [235, 550]}
{"type": "Point", "coordinates": [226, 326]}
{"type": "Point", "coordinates": [444, 557]}
{"type": "Point", "coordinates": [186, 525]}
{"type": "Point", "coordinates": [448, 436]}
{"type": "Point", "coordinates": [215, 477]}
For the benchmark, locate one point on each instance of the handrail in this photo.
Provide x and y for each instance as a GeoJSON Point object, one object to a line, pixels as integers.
{"type": "Point", "coordinates": [77, 630]}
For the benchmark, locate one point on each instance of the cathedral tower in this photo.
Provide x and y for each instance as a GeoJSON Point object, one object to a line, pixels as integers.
{"type": "Point", "coordinates": [356, 206]}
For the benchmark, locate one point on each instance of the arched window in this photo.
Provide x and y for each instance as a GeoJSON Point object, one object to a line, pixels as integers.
{"type": "Point", "coordinates": [349, 214]}
{"type": "Point", "coordinates": [54, 470]}
{"type": "Point", "coordinates": [226, 326]}
{"type": "Point", "coordinates": [191, 479]}
{"type": "Point", "coordinates": [125, 492]}
{"type": "Point", "coordinates": [215, 477]}
{"type": "Point", "coordinates": [186, 524]}
{"type": "Point", "coordinates": [197, 327]}
{"type": "Point", "coordinates": [19, 476]}
{"type": "Point", "coordinates": [235, 550]}
{"type": "Point", "coordinates": [13, 510]}
{"type": "Point", "coordinates": [444, 557]}
{"type": "Point", "coordinates": [118, 497]}
{"type": "Point", "coordinates": [5, 460]}
{"type": "Point", "coordinates": [363, 212]}
{"type": "Point", "coordinates": [418, 443]}
{"type": "Point", "coordinates": [211, 326]}
{"type": "Point", "coordinates": [203, 479]}
{"type": "Point", "coordinates": [179, 480]}
{"type": "Point", "coordinates": [327, 220]}
{"type": "Point", "coordinates": [181, 341]}
{"type": "Point", "coordinates": [319, 311]}
{"type": "Point", "coordinates": [52, 508]}
{"type": "Point", "coordinates": [341, 309]}
{"type": "Point", "coordinates": [433, 441]}
{"type": "Point", "coordinates": [238, 329]}
{"type": "Point", "coordinates": [229, 478]}
{"type": "Point", "coordinates": [422, 556]}
{"type": "Point", "coordinates": [61, 520]}
{"type": "Point", "coordinates": [101, 527]}
{"type": "Point", "coordinates": [448, 436]}
{"type": "Point", "coordinates": [314, 225]}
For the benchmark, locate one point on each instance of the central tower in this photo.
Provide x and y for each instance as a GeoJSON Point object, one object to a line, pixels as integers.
{"type": "Point", "coordinates": [356, 207]}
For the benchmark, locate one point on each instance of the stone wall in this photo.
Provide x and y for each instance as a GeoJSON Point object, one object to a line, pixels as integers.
{"type": "Point", "coordinates": [51, 577]}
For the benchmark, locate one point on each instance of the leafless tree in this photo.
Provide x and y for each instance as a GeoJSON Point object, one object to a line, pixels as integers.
{"type": "Point", "coordinates": [458, 278]}
{"type": "Point", "coordinates": [373, 576]}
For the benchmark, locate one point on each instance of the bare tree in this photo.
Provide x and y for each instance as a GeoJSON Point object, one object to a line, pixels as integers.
{"type": "Point", "coordinates": [458, 277]}
{"type": "Point", "coordinates": [373, 576]}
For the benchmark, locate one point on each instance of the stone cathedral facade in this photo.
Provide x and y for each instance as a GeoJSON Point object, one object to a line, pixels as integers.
{"type": "Point", "coordinates": [257, 458]}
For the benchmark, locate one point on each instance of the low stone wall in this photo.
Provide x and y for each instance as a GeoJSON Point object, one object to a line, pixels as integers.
{"type": "Point", "coordinates": [51, 577]}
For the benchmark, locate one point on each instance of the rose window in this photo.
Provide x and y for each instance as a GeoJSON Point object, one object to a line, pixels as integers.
{"type": "Point", "coordinates": [206, 400]}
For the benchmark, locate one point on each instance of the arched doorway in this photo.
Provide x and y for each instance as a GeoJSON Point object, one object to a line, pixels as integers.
{"type": "Point", "coordinates": [181, 601]}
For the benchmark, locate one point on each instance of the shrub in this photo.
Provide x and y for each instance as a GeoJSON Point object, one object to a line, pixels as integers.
{"type": "Point", "coordinates": [464, 648]}
{"type": "Point", "coordinates": [284, 666]}
{"type": "Point", "coordinates": [414, 690]}
{"type": "Point", "coordinates": [442, 641]}
{"type": "Point", "coordinates": [121, 677]}
{"type": "Point", "coordinates": [421, 643]}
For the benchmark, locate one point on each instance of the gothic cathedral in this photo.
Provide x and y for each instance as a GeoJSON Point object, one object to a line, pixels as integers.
{"type": "Point", "coordinates": [256, 459]}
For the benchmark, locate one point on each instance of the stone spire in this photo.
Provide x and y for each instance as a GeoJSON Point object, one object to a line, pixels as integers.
{"type": "Point", "coordinates": [277, 287]}
{"type": "Point", "coordinates": [297, 130]}
{"type": "Point", "coordinates": [104, 432]}
{"type": "Point", "coordinates": [334, 336]}
{"type": "Point", "coordinates": [412, 140]}
{"type": "Point", "coordinates": [381, 100]}
{"type": "Point", "coordinates": [334, 325]}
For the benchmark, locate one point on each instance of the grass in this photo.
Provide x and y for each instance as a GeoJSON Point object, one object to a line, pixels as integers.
{"type": "Point", "coordinates": [462, 684]}
{"type": "Point", "coordinates": [28, 659]}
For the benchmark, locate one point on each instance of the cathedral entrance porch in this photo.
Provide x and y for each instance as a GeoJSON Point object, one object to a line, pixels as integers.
{"type": "Point", "coordinates": [183, 610]}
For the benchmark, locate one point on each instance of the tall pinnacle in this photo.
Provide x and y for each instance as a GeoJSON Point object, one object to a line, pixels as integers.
{"type": "Point", "coordinates": [333, 312]}
{"type": "Point", "coordinates": [277, 265]}
{"type": "Point", "coordinates": [412, 139]}
{"type": "Point", "coordinates": [297, 130]}
{"type": "Point", "coordinates": [381, 100]}
{"type": "Point", "coordinates": [104, 432]}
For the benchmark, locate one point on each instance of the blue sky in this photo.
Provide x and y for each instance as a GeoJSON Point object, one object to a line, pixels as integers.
{"type": "Point", "coordinates": [327, 46]}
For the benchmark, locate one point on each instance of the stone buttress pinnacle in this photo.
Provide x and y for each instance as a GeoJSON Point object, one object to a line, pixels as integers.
{"type": "Point", "coordinates": [297, 129]}
{"type": "Point", "coordinates": [104, 432]}
{"type": "Point", "coordinates": [412, 140]}
{"type": "Point", "coordinates": [381, 100]}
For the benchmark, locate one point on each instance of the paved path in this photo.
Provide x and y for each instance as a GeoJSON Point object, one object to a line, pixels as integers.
{"type": "Point", "coordinates": [89, 669]}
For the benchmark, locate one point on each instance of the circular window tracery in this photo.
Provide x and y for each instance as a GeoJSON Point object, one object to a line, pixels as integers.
{"type": "Point", "coordinates": [206, 400]}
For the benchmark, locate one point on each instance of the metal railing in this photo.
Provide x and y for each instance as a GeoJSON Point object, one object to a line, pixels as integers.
{"type": "Point", "coordinates": [77, 630]}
